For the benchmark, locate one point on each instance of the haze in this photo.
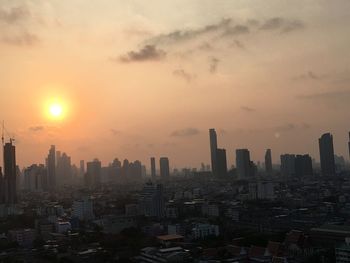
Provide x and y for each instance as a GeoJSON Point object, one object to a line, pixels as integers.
{"type": "Point", "coordinates": [149, 78]}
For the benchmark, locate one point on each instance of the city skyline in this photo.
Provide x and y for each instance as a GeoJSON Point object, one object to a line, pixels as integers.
{"type": "Point", "coordinates": [152, 83]}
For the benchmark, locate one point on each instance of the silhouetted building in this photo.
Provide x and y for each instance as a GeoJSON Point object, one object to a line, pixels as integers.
{"type": "Point", "coordinates": [349, 144]}
{"type": "Point", "coordinates": [303, 165]}
{"type": "Point", "coordinates": [10, 174]}
{"type": "Point", "coordinates": [82, 168]}
{"type": "Point", "coordinates": [35, 178]}
{"type": "Point", "coordinates": [152, 200]}
{"type": "Point", "coordinates": [288, 164]}
{"type": "Point", "coordinates": [93, 173]}
{"type": "Point", "coordinates": [51, 168]}
{"type": "Point", "coordinates": [153, 167]}
{"type": "Point", "coordinates": [135, 170]}
{"type": "Point", "coordinates": [221, 162]}
{"type": "Point", "coordinates": [164, 167]}
{"type": "Point", "coordinates": [213, 150]}
{"type": "Point", "coordinates": [327, 154]}
{"type": "Point", "coordinates": [63, 169]}
{"type": "Point", "coordinates": [243, 163]}
{"type": "Point", "coordinates": [268, 161]}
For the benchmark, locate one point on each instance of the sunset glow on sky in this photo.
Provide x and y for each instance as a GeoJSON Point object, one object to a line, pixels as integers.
{"type": "Point", "coordinates": [135, 79]}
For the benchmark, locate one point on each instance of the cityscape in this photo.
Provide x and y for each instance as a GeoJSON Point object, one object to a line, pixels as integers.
{"type": "Point", "coordinates": [291, 210]}
{"type": "Point", "coordinates": [175, 131]}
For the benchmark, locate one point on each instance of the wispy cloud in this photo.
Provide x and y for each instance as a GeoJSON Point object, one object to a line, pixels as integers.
{"type": "Point", "coordinates": [181, 73]}
{"type": "Point", "coordinates": [282, 25]}
{"type": "Point", "coordinates": [213, 64]}
{"type": "Point", "coordinates": [247, 109]}
{"type": "Point", "coordinates": [147, 53]}
{"type": "Point", "coordinates": [185, 132]}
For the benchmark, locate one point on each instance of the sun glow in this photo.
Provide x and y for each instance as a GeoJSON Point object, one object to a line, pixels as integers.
{"type": "Point", "coordinates": [56, 110]}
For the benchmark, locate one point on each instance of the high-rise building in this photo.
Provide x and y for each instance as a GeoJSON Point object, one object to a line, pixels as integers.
{"type": "Point", "coordinates": [152, 200]}
{"type": "Point", "coordinates": [164, 167]}
{"type": "Point", "coordinates": [221, 162]}
{"type": "Point", "coordinates": [327, 154]}
{"type": "Point", "coordinates": [82, 168]}
{"type": "Point", "coordinates": [93, 173]}
{"type": "Point", "coordinates": [288, 164]}
{"type": "Point", "coordinates": [35, 178]}
{"type": "Point", "coordinates": [51, 168]}
{"type": "Point", "coordinates": [63, 169]}
{"type": "Point", "coordinates": [10, 174]}
{"type": "Point", "coordinates": [268, 161]}
{"type": "Point", "coordinates": [83, 209]}
{"type": "Point", "coordinates": [153, 167]}
{"type": "Point", "coordinates": [243, 163]}
{"type": "Point", "coordinates": [349, 144]}
{"type": "Point", "coordinates": [213, 148]}
{"type": "Point", "coordinates": [303, 165]}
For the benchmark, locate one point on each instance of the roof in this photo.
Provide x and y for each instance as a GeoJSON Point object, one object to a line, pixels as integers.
{"type": "Point", "coordinates": [274, 248]}
{"type": "Point", "coordinates": [170, 237]}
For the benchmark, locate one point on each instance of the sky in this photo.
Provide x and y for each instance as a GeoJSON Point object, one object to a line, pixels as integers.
{"type": "Point", "coordinates": [149, 78]}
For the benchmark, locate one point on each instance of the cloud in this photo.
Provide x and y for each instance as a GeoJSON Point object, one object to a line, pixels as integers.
{"type": "Point", "coordinates": [183, 74]}
{"type": "Point", "coordinates": [185, 132]}
{"type": "Point", "coordinates": [247, 109]}
{"type": "Point", "coordinates": [332, 99]}
{"type": "Point", "coordinates": [286, 128]}
{"type": "Point", "coordinates": [36, 128]}
{"type": "Point", "coordinates": [21, 39]}
{"type": "Point", "coordinates": [147, 53]}
{"type": "Point", "coordinates": [281, 24]}
{"type": "Point", "coordinates": [14, 15]}
{"type": "Point", "coordinates": [236, 30]}
{"type": "Point", "coordinates": [213, 64]}
{"type": "Point", "coordinates": [310, 75]}
{"type": "Point", "coordinates": [190, 34]}
{"type": "Point", "coordinates": [238, 44]}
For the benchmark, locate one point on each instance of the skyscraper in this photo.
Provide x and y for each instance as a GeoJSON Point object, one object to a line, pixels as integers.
{"type": "Point", "coordinates": [51, 168]}
{"type": "Point", "coordinates": [268, 161]}
{"type": "Point", "coordinates": [327, 154]}
{"type": "Point", "coordinates": [243, 163]}
{"type": "Point", "coordinates": [349, 144]}
{"type": "Point", "coordinates": [221, 162]}
{"type": "Point", "coordinates": [93, 173]}
{"type": "Point", "coordinates": [164, 167]}
{"type": "Point", "coordinates": [213, 150]}
{"type": "Point", "coordinates": [288, 164]}
{"type": "Point", "coordinates": [10, 174]}
{"type": "Point", "coordinates": [153, 167]}
{"type": "Point", "coordinates": [303, 165]}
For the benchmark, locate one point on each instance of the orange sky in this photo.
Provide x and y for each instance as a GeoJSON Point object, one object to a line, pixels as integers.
{"type": "Point", "coordinates": [149, 78]}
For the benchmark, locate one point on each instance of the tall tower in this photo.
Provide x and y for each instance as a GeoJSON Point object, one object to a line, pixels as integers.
{"type": "Point", "coordinates": [327, 154]}
{"type": "Point", "coordinates": [213, 150]}
{"type": "Point", "coordinates": [268, 161]}
{"type": "Point", "coordinates": [221, 162]}
{"type": "Point", "coordinates": [10, 174]}
{"type": "Point", "coordinates": [349, 144]}
{"type": "Point", "coordinates": [51, 167]}
{"type": "Point", "coordinates": [243, 163]}
{"type": "Point", "coordinates": [164, 167]}
{"type": "Point", "coordinates": [153, 167]}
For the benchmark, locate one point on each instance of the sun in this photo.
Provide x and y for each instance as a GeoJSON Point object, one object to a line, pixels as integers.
{"type": "Point", "coordinates": [56, 110]}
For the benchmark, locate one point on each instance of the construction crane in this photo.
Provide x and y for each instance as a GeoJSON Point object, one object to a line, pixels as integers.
{"type": "Point", "coordinates": [12, 139]}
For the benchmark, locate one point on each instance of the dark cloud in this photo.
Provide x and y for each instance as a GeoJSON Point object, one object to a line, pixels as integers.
{"type": "Point", "coordinates": [185, 132]}
{"type": "Point", "coordinates": [247, 109]}
{"type": "Point", "coordinates": [189, 34]}
{"type": "Point", "coordinates": [36, 128]}
{"type": "Point", "coordinates": [205, 46]}
{"type": "Point", "coordinates": [147, 53]}
{"type": "Point", "coordinates": [282, 25]}
{"type": "Point", "coordinates": [183, 74]}
{"type": "Point", "coordinates": [213, 64]}
{"type": "Point", "coordinates": [236, 30]}
{"type": "Point", "coordinates": [14, 15]}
